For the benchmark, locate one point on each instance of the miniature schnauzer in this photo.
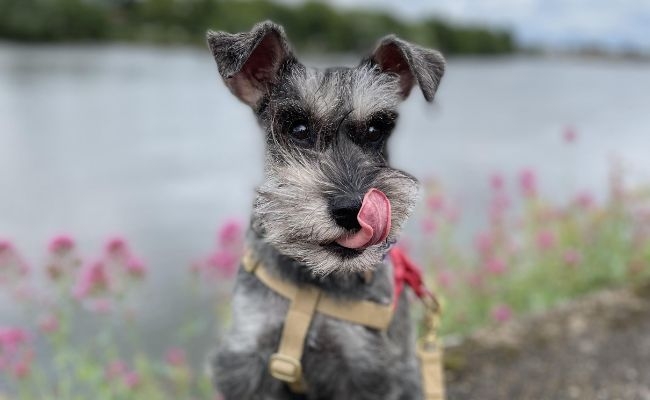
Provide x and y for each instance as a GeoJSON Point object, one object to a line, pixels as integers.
{"type": "Point", "coordinates": [326, 214]}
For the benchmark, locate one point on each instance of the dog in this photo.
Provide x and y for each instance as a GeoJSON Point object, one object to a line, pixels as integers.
{"type": "Point", "coordinates": [326, 214]}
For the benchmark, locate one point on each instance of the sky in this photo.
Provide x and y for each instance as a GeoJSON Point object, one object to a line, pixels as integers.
{"type": "Point", "coordinates": [611, 24]}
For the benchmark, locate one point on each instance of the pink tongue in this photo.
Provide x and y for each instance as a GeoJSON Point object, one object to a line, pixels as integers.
{"type": "Point", "coordinates": [374, 218]}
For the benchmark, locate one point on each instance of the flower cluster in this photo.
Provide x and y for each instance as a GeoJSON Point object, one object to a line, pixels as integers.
{"type": "Point", "coordinates": [533, 253]}
{"type": "Point", "coordinates": [12, 265]}
{"type": "Point", "coordinates": [15, 353]}
{"type": "Point", "coordinates": [95, 293]}
{"type": "Point", "coordinates": [223, 261]}
{"type": "Point", "coordinates": [118, 371]}
{"type": "Point", "coordinates": [98, 282]}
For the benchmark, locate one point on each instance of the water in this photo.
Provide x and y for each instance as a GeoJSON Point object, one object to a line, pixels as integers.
{"type": "Point", "coordinates": [149, 143]}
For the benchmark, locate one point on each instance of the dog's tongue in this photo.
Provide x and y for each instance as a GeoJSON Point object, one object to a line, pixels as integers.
{"type": "Point", "coordinates": [374, 218]}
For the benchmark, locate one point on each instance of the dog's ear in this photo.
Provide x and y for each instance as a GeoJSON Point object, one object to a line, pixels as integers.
{"type": "Point", "coordinates": [411, 63]}
{"type": "Point", "coordinates": [249, 62]}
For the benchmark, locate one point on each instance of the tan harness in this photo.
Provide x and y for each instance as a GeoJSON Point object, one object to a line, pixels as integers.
{"type": "Point", "coordinates": [305, 300]}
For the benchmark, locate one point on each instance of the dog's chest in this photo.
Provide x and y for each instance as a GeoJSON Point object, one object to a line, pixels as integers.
{"type": "Point", "coordinates": [259, 315]}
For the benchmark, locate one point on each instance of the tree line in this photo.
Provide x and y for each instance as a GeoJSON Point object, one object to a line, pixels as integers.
{"type": "Point", "coordinates": [312, 25]}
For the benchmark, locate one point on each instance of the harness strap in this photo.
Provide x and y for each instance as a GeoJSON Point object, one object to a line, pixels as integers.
{"type": "Point", "coordinates": [363, 312]}
{"type": "Point", "coordinates": [285, 364]}
{"type": "Point", "coordinates": [429, 351]}
{"type": "Point", "coordinates": [431, 371]}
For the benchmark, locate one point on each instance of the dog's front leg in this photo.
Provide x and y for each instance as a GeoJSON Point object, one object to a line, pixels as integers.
{"type": "Point", "coordinates": [241, 376]}
{"type": "Point", "coordinates": [240, 366]}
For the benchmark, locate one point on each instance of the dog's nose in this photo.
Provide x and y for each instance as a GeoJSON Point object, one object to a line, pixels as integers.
{"type": "Point", "coordinates": [344, 211]}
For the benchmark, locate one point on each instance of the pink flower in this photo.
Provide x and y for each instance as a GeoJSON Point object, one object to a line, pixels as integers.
{"type": "Point", "coordinates": [48, 323]}
{"type": "Point", "coordinates": [495, 266]}
{"type": "Point", "coordinates": [497, 182]}
{"type": "Point", "coordinates": [101, 306]}
{"type": "Point", "coordinates": [23, 368]}
{"type": "Point", "coordinates": [484, 242]}
{"type": "Point", "coordinates": [429, 226]}
{"type": "Point", "coordinates": [135, 267]}
{"type": "Point", "coordinates": [231, 233]}
{"type": "Point", "coordinates": [570, 135]}
{"type": "Point", "coordinates": [12, 265]}
{"type": "Point", "coordinates": [176, 357]}
{"type": "Point", "coordinates": [117, 247]}
{"type": "Point", "coordinates": [584, 200]}
{"type": "Point", "coordinates": [476, 280]}
{"type": "Point", "coordinates": [61, 244]}
{"type": "Point", "coordinates": [6, 246]}
{"type": "Point", "coordinates": [92, 279]}
{"type": "Point", "coordinates": [224, 262]}
{"type": "Point", "coordinates": [116, 369]}
{"type": "Point", "coordinates": [545, 240]}
{"type": "Point", "coordinates": [131, 380]}
{"type": "Point", "coordinates": [572, 257]}
{"type": "Point", "coordinates": [11, 338]}
{"type": "Point", "coordinates": [528, 182]}
{"type": "Point", "coordinates": [501, 313]}
{"type": "Point", "coordinates": [498, 207]}
{"type": "Point", "coordinates": [435, 202]}
{"type": "Point", "coordinates": [15, 356]}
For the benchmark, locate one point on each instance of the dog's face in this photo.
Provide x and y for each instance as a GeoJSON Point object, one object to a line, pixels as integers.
{"type": "Point", "coordinates": [329, 200]}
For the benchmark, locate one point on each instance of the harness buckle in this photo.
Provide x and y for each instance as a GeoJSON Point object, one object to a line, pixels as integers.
{"type": "Point", "coordinates": [285, 368]}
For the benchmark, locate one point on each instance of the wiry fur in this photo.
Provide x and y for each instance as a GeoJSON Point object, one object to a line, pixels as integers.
{"type": "Point", "coordinates": [291, 206]}
{"type": "Point", "coordinates": [363, 90]}
{"type": "Point", "coordinates": [293, 229]}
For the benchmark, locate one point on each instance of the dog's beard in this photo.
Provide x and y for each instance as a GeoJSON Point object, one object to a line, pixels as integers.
{"type": "Point", "coordinates": [292, 209]}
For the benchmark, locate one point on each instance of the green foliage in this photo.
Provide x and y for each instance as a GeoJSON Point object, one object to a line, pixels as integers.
{"type": "Point", "coordinates": [533, 257]}
{"type": "Point", "coordinates": [312, 26]}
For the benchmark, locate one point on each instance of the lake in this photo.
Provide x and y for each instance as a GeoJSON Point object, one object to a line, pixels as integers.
{"type": "Point", "coordinates": [147, 142]}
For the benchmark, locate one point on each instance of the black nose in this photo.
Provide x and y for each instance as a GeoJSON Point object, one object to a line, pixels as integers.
{"type": "Point", "coordinates": [344, 211]}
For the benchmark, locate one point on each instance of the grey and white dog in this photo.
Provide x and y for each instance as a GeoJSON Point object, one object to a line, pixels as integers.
{"type": "Point", "coordinates": [328, 210]}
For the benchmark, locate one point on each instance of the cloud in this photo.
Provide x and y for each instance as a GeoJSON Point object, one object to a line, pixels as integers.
{"type": "Point", "coordinates": [614, 24]}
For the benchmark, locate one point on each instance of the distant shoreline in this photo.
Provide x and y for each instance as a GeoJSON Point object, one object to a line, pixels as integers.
{"type": "Point", "coordinates": [548, 54]}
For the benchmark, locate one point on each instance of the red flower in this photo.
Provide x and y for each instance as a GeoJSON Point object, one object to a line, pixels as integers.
{"type": "Point", "coordinates": [545, 240]}
{"type": "Point", "coordinates": [572, 257]}
{"type": "Point", "coordinates": [231, 233]}
{"type": "Point", "coordinates": [497, 182]}
{"type": "Point", "coordinates": [61, 244]}
{"type": "Point", "coordinates": [176, 357]}
{"type": "Point", "coordinates": [570, 135]}
{"type": "Point", "coordinates": [135, 267]}
{"type": "Point", "coordinates": [528, 182]}
{"type": "Point", "coordinates": [132, 379]}
{"type": "Point", "coordinates": [117, 248]}
{"type": "Point", "coordinates": [93, 278]}
{"type": "Point", "coordinates": [495, 266]}
{"type": "Point", "coordinates": [502, 313]}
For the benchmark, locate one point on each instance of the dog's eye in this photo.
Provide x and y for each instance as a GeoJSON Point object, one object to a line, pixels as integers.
{"type": "Point", "coordinates": [377, 129]}
{"type": "Point", "coordinates": [373, 133]}
{"type": "Point", "coordinates": [300, 131]}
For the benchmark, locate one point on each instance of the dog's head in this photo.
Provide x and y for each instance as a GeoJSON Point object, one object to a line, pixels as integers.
{"type": "Point", "coordinates": [329, 200]}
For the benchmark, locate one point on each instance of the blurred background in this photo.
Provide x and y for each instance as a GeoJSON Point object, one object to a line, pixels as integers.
{"type": "Point", "coordinates": [127, 173]}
